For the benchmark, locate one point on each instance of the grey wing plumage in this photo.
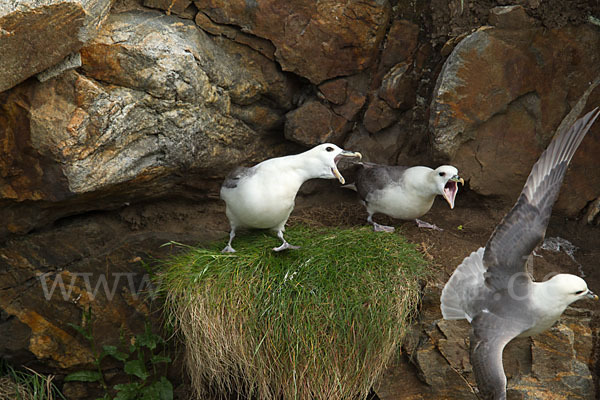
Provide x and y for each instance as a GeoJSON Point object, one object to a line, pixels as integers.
{"type": "Point", "coordinates": [372, 177]}
{"type": "Point", "coordinates": [489, 335]}
{"type": "Point", "coordinates": [524, 227]}
{"type": "Point", "coordinates": [238, 173]}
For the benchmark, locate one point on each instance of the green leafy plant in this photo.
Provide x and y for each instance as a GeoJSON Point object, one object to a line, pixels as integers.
{"type": "Point", "coordinates": [86, 331]}
{"type": "Point", "coordinates": [145, 349]}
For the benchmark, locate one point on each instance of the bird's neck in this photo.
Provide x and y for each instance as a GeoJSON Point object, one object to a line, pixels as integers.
{"type": "Point", "coordinates": [544, 298]}
{"type": "Point", "coordinates": [421, 182]}
{"type": "Point", "coordinates": [303, 167]}
{"type": "Point", "coordinates": [293, 170]}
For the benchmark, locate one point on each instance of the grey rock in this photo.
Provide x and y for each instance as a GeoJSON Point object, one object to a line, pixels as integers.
{"type": "Point", "coordinates": [72, 61]}
{"type": "Point", "coordinates": [156, 98]}
{"type": "Point", "coordinates": [36, 34]}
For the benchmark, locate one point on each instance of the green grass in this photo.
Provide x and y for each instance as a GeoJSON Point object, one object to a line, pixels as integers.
{"type": "Point", "coordinates": [26, 385]}
{"type": "Point", "coordinates": [316, 323]}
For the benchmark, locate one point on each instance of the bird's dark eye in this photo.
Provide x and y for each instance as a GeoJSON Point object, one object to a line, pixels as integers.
{"type": "Point", "coordinates": [579, 292]}
{"type": "Point", "coordinates": [329, 148]}
{"type": "Point", "coordinates": [442, 174]}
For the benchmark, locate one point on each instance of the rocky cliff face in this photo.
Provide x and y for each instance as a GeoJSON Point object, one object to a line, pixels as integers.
{"type": "Point", "coordinates": [130, 106]}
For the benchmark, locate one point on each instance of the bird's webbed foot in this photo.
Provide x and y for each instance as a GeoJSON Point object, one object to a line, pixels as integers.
{"type": "Point", "coordinates": [382, 228]}
{"type": "Point", "coordinates": [228, 249]}
{"type": "Point", "coordinates": [427, 225]}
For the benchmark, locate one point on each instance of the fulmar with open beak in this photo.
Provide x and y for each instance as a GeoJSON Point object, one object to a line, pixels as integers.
{"type": "Point", "coordinates": [263, 196]}
{"type": "Point", "coordinates": [404, 192]}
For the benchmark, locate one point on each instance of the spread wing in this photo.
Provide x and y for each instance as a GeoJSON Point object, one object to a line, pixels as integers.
{"type": "Point", "coordinates": [489, 335]}
{"type": "Point", "coordinates": [524, 227]}
{"type": "Point", "coordinates": [239, 173]}
{"type": "Point", "coordinates": [372, 177]}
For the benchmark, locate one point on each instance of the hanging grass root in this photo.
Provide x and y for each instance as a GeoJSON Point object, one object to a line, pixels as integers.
{"type": "Point", "coordinates": [321, 322]}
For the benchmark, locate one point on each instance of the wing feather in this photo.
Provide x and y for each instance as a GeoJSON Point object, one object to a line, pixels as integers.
{"type": "Point", "coordinates": [372, 177]}
{"type": "Point", "coordinates": [463, 288]}
{"type": "Point", "coordinates": [237, 174]}
{"type": "Point", "coordinates": [489, 335]}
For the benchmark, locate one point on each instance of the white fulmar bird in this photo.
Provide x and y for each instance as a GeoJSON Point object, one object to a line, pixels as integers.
{"type": "Point", "coordinates": [263, 196]}
{"type": "Point", "coordinates": [492, 289]}
{"type": "Point", "coordinates": [404, 192]}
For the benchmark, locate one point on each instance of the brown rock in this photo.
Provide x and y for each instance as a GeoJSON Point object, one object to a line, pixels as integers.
{"type": "Point", "coordinates": [381, 148]}
{"type": "Point", "coordinates": [397, 88]}
{"type": "Point", "coordinates": [197, 79]}
{"type": "Point", "coordinates": [510, 17]}
{"type": "Point", "coordinates": [335, 90]}
{"type": "Point", "coordinates": [314, 123]}
{"type": "Point", "coordinates": [401, 43]}
{"type": "Point", "coordinates": [263, 46]}
{"type": "Point", "coordinates": [35, 35]}
{"type": "Point", "coordinates": [355, 98]}
{"type": "Point", "coordinates": [319, 42]}
{"type": "Point", "coordinates": [514, 85]}
{"type": "Point", "coordinates": [451, 44]}
{"type": "Point", "coordinates": [379, 115]}
{"type": "Point", "coordinates": [170, 6]}
{"type": "Point", "coordinates": [454, 346]}
{"type": "Point", "coordinates": [519, 121]}
{"type": "Point", "coordinates": [27, 173]}
{"type": "Point", "coordinates": [354, 103]}
{"type": "Point", "coordinates": [401, 382]}
{"type": "Point", "coordinates": [49, 279]}
{"type": "Point", "coordinates": [29, 32]}
{"type": "Point", "coordinates": [438, 374]}
{"type": "Point", "coordinates": [552, 351]}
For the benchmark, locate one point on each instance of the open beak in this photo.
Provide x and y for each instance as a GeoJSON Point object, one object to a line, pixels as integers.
{"type": "Point", "coordinates": [337, 174]}
{"type": "Point", "coordinates": [344, 153]}
{"type": "Point", "coordinates": [457, 178]}
{"type": "Point", "coordinates": [591, 295]}
{"type": "Point", "coordinates": [451, 189]}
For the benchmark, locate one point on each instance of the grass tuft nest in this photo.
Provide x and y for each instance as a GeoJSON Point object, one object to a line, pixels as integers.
{"type": "Point", "coordinates": [316, 323]}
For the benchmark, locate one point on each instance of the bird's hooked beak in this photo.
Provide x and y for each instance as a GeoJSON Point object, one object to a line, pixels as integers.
{"type": "Point", "coordinates": [457, 178]}
{"type": "Point", "coordinates": [451, 189]}
{"type": "Point", "coordinates": [591, 295]}
{"type": "Point", "coordinates": [344, 153]}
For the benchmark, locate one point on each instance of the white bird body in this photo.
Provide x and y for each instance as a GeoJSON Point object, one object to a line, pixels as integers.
{"type": "Point", "coordinates": [404, 192]}
{"type": "Point", "coordinates": [407, 199]}
{"type": "Point", "coordinates": [263, 196]}
{"type": "Point", "coordinates": [266, 198]}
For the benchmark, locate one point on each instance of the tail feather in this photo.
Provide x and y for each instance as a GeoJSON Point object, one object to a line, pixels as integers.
{"type": "Point", "coordinates": [455, 295]}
